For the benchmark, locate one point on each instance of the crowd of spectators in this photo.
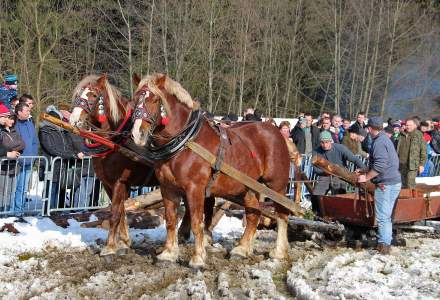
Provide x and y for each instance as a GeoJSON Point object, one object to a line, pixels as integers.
{"type": "Point", "coordinates": [21, 145]}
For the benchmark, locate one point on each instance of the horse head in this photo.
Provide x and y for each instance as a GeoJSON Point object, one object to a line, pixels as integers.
{"type": "Point", "coordinates": [150, 111]}
{"type": "Point", "coordinates": [96, 101]}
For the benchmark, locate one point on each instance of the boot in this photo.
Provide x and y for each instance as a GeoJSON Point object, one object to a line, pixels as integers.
{"type": "Point", "coordinates": [383, 249]}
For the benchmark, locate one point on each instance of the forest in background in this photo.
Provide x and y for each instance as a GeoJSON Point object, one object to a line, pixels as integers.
{"type": "Point", "coordinates": [281, 56]}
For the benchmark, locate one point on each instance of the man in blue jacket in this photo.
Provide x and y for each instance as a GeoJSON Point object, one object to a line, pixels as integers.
{"type": "Point", "coordinates": [8, 90]}
{"type": "Point", "coordinates": [26, 129]}
{"type": "Point", "coordinates": [384, 173]}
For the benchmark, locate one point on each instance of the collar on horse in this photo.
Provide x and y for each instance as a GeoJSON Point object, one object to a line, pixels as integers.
{"type": "Point", "coordinates": [121, 132]}
{"type": "Point", "coordinates": [177, 143]}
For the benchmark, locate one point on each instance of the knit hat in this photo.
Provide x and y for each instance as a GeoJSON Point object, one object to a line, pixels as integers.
{"type": "Point", "coordinates": [325, 136]}
{"type": "Point", "coordinates": [11, 79]}
{"type": "Point", "coordinates": [4, 111]}
{"type": "Point", "coordinates": [53, 111]}
{"type": "Point", "coordinates": [354, 128]}
{"type": "Point", "coordinates": [389, 129]}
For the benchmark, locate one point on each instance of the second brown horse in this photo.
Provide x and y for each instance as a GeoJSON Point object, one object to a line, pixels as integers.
{"type": "Point", "coordinates": [257, 149]}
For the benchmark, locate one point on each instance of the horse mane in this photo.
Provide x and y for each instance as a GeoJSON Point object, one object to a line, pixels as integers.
{"type": "Point", "coordinates": [172, 87]}
{"type": "Point", "coordinates": [113, 94]}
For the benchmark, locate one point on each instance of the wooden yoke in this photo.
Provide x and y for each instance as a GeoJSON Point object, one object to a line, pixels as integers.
{"type": "Point", "coordinates": [342, 173]}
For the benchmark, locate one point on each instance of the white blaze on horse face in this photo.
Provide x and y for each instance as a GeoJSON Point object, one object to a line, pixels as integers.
{"type": "Point", "coordinates": [138, 138]}
{"type": "Point", "coordinates": [84, 93]}
{"type": "Point", "coordinates": [74, 117]}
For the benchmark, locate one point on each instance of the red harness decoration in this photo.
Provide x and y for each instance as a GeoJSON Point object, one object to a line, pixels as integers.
{"type": "Point", "coordinates": [103, 142]}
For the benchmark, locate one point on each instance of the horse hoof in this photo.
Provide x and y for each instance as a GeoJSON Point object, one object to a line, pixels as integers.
{"type": "Point", "coordinates": [122, 251]}
{"type": "Point", "coordinates": [197, 262]}
{"type": "Point", "coordinates": [168, 255]}
{"type": "Point", "coordinates": [107, 251]}
{"type": "Point", "coordinates": [278, 254]}
{"type": "Point", "coordinates": [240, 252]}
{"type": "Point", "coordinates": [109, 258]}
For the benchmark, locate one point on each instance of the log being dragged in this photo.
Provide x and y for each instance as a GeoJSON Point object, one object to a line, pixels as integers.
{"type": "Point", "coordinates": [341, 172]}
{"type": "Point", "coordinates": [296, 223]}
{"type": "Point", "coordinates": [145, 201]}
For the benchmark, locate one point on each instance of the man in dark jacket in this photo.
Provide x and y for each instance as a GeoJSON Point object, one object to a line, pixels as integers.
{"type": "Point", "coordinates": [305, 135]}
{"type": "Point", "coordinates": [435, 141]}
{"type": "Point", "coordinates": [384, 173]}
{"type": "Point", "coordinates": [337, 154]}
{"type": "Point", "coordinates": [57, 142]}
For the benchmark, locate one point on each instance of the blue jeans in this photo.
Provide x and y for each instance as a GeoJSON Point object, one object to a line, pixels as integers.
{"type": "Point", "coordinates": [21, 188]}
{"type": "Point", "coordinates": [384, 205]}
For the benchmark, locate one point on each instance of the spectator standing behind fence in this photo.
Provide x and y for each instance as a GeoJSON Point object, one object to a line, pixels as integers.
{"type": "Point", "coordinates": [435, 139]}
{"type": "Point", "coordinates": [56, 141]}
{"type": "Point", "coordinates": [337, 154]}
{"type": "Point", "coordinates": [8, 90]}
{"type": "Point", "coordinates": [384, 173]}
{"type": "Point", "coordinates": [11, 141]}
{"type": "Point", "coordinates": [411, 150]}
{"type": "Point", "coordinates": [26, 129]}
{"type": "Point", "coordinates": [305, 135]}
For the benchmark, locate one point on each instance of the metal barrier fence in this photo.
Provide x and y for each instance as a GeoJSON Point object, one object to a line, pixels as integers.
{"type": "Point", "coordinates": [20, 190]}
{"type": "Point", "coordinates": [72, 186]}
{"type": "Point", "coordinates": [34, 186]}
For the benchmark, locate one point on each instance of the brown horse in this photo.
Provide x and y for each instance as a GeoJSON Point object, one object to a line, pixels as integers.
{"type": "Point", "coordinates": [99, 105]}
{"type": "Point", "coordinates": [164, 110]}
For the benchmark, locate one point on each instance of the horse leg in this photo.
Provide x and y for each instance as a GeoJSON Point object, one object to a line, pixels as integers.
{"type": "Point", "coordinates": [185, 227]}
{"type": "Point", "coordinates": [171, 251]}
{"type": "Point", "coordinates": [245, 247]}
{"type": "Point", "coordinates": [124, 241]}
{"type": "Point", "coordinates": [209, 211]}
{"type": "Point", "coordinates": [196, 203]}
{"type": "Point", "coordinates": [117, 211]}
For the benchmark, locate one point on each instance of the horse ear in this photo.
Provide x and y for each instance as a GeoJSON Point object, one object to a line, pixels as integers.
{"type": "Point", "coordinates": [101, 80]}
{"type": "Point", "coordinates": [160, 82]}
{"type": "Point", "coordinates": [136, 79]}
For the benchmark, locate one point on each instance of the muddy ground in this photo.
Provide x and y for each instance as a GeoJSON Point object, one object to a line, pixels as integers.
{"type": "Point", "coordinates": [83, 274]}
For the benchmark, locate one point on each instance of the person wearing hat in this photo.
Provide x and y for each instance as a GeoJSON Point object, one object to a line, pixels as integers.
{"type": "Point", "coordinates": [12, 144]}
{"type": "Point", "coordinates": [337, 154]}
{"type": "Point", "coordinates": [305, 135]}
{"type": "Point", "coordinates": [8, 90]}
{"type": "Point", "coordinates": [353, 140]}
{"type": "Point", "coordinates": [383, 171]}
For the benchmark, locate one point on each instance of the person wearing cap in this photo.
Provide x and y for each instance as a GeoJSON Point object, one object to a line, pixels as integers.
{"type": "Point", "coordinates": [8, 90]}
{"type": "Point", "coordinates": [383, 171]}
{"type": "Point", "coordinates": [12, 144]}
{"type": "Point", "coordinates": [353, 140]}
{"type": "Point", "coordinates": [411, 150]}
{"type": "Point", "coordinates": [337, 154]}
{"type": "Point", "coordinates": [305, 135]}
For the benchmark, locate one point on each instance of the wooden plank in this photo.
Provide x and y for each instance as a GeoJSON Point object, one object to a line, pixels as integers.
{"type": "Point", "coordinates": [246, 180]}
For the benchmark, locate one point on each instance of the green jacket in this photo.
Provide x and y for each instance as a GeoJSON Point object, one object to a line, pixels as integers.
{"type": "Point", "coordinates": [417, 149]}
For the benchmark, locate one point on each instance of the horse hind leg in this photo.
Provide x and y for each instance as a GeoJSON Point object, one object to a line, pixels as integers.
{"type": "Point", "coordinates": [245, 247]}
{"type": "Point", "coordinates": [209, 211]}
{"type": "Point", "coordinates": [184, 232]}
{"type": "Point", "coordinates": [282, 244]}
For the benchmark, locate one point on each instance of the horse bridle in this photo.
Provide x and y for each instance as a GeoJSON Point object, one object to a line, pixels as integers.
{"type": "Point", "coordinates": [89, 105]}
{"type": "Point", "coordinates": [141, 113]}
